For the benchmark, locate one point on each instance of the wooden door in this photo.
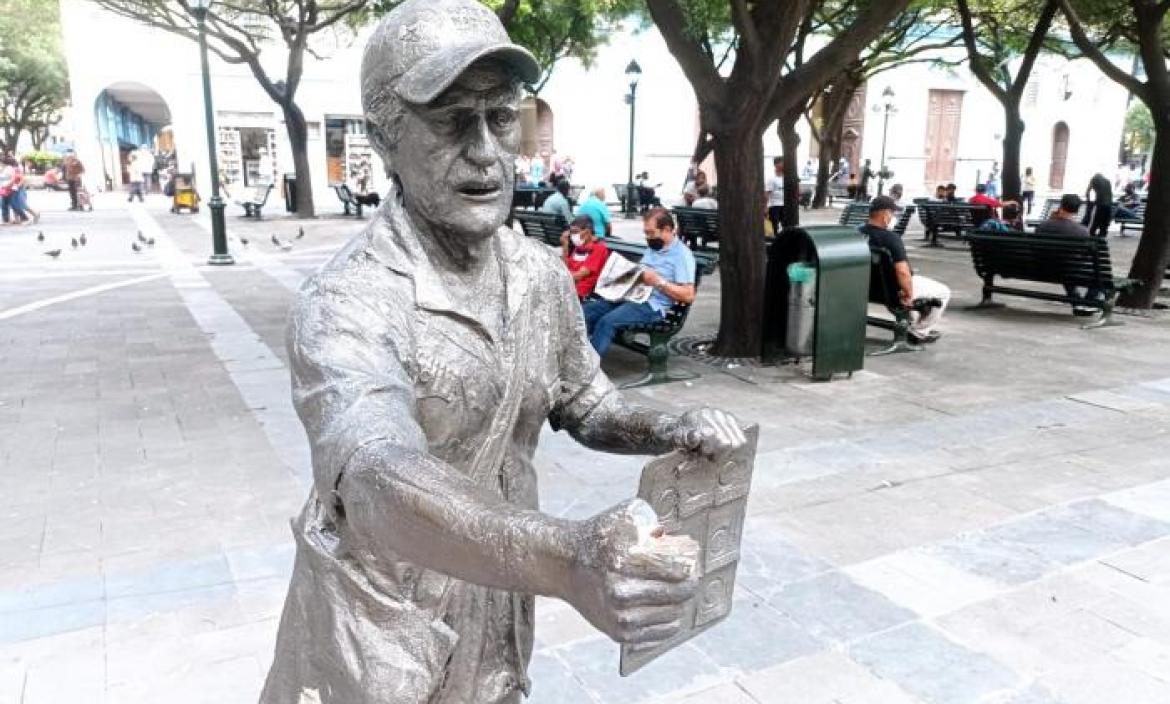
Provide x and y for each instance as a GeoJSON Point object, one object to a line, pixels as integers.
{"type": "Point", "coordinates": [852, 128]}
{"type": "Point", "coordinates": [1059, 156]}
{"type": "Point", "coordinates": [942, 136]}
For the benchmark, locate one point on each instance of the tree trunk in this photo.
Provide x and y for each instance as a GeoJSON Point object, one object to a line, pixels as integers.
{"type": "Point", "coordinates": [834, 109]}
{"type": "Point", "coordinates": [1153, 252]}
{"type": "Point", "coordinates": [739, 159]}
{"type": "Point", "coordinates": [790, 142]}
{"type": "Point", "coordinates": [1013, 136]}
{"type": "Point", "coordinates": [298, 140]}
{"type": "Point", "coordinates": [824, 167]}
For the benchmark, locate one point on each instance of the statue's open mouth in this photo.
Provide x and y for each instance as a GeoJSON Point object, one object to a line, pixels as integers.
{"type": "Point", "coordinates": [485, 190]}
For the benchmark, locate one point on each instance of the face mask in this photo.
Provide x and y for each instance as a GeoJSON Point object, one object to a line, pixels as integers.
{"type": "Point", "coordinates": [575, 239]}
{"type": "Point", "coordinates": [654, 244]}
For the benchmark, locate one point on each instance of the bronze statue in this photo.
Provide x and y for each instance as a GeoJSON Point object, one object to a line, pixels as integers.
{"type": "Point", "coordinates": [425, 358]}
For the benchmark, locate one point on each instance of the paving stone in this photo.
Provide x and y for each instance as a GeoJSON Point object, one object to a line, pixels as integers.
{"type": "Point", "coordinates": [835, 609]}
{"type": "Point", "coordinates": [754, 637]}
{"type": "Point", "coordinates": [933, 668]}
{"type": "Point", "coordinates": [553, 683]}
{"type": "Point", "coordinates": [681, 671]}
{"type": "Point", "coordinates": [825, 678]}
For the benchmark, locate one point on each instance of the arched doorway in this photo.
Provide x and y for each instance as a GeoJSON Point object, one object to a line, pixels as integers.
{"type": "Point", "coordinates": [129, 115]}
{"type": "Point", "coordinates": [1059, 156]}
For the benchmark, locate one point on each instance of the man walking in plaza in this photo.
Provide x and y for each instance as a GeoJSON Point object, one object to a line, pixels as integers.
{"type": "Point", "coordinates": [426, 356]}
{"type": "Point", "coordinates": [668, 267]}
{"type": "Point", "coordinates": [912, 288]}
{"type": "Point", "coordinates": [72, 169]}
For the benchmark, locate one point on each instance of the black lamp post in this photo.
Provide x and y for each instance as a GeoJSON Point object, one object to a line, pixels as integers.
{"type": "Point", "coordinates": [633, 73]}
{"type": "Point", "coordinates": [887, 107]}
{"type": "Point", "coordinates": [219, 255]}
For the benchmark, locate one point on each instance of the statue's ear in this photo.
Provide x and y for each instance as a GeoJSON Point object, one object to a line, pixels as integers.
{"type": "Point", "coordinates": [381, 144]}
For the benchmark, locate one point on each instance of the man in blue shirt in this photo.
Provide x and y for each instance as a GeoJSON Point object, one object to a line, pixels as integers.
{"type": "Point", "coordinates": [669, 268]}
{"type": "Point", "coordinates": [558, 202]}
{"type": "Point", "coordinates": [594, 206]}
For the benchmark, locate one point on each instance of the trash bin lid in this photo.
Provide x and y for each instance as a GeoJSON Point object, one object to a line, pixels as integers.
{"type": "Point", "coordinates": [800, 273]}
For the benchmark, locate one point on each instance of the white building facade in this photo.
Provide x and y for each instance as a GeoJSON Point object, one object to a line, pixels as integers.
{"type": "Point", "coordinates": [947, 126]}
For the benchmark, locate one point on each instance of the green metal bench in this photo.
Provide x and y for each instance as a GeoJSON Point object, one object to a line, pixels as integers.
{"type": "Point", "coordinates": [698, 227]}
{"type": "Point", "coordinates": [858, 214]}
{"type": "Point", "coordinates": [546, 227]}
{"type": "Point", "coordinates": [1082, 262]}
{"type": "Point", "coordinates": [252, 206]}
{"type": "Point", "coordinates": [348, 201]}
{"type": "Point", "coordinates": [884, 290]}
{"type": "Point", "coordinates": [658, 334]}
{"type": "Point", "coordinates": [956, 219]}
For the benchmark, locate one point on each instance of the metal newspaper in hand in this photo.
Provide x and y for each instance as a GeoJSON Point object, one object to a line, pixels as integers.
{"type": "Point", "coordinates": [705, 500]}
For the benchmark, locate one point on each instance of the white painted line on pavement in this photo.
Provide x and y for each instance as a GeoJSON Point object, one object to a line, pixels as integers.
{"type": "Point", "coordinates": [72, 296]}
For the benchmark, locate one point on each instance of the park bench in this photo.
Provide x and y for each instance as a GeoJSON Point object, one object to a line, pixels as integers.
{"type": "Point", "coordinates": [531, 198]}
{"type": "Point", "coordinates": [658, 334]}
{"type": "Point", "coordinates": [883, 290]}
{"type": "Point", "coordinates": [546, 227]}
{"type": "Point", "coordinates": [698, 227]}
{"type": "Point", "coordinates": [955, 219]}
{"type": "Point", "coordinates": [1071, 261]}
{"type": "Point", "coordinates": [348, 201]}
{"type": "Point", "coordinates": [254, 204]}
{"type": "Point", "coordinates": [838, 191]}
{"type": "Point", "coordinates": [1135, 223]}
{"type": "Point", "coordinates": [858, 214]}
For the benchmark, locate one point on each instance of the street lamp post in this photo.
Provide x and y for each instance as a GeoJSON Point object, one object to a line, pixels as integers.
{"type": "Point", "coordinates": [219, 255]}
{"type": "Point", "coordinates": [633, 73]}
{"type": "Point", "coordinates": [887, 107]}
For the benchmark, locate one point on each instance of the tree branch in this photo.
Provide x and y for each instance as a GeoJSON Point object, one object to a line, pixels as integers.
{"type": "Point", "coordinates": [1098, 57]}
{"type": "Point", "coordinates": [699, 70]}
{"type": "Point", "coordinates": [976, 58]}
{"type": "Point", "coordinates": [1035, 43]}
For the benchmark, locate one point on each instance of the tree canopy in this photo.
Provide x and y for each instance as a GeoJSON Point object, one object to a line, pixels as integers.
{"type": "Point", "coordinates": [34, 84]}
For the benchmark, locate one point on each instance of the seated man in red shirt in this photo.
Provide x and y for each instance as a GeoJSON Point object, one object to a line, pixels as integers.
{"type": "Point", "coordinates": [981, 198]}
{"type": "Point", "coordinates": [584, 254]}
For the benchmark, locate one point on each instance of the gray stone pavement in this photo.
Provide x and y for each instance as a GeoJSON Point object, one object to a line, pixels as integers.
{"type": "Point", "coordinates": [987, 521]}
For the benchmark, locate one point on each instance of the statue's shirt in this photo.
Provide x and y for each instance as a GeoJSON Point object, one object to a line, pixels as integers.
{"type": "Point", "coordinates": [382, 355]}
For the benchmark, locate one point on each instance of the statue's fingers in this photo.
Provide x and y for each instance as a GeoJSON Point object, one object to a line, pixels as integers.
{"type": "Point", "coordinates": [643, 616]}
{"type": "Point", "coordinates": [651, 634]}
{"type": "Point", "coordinates": [638, 592]}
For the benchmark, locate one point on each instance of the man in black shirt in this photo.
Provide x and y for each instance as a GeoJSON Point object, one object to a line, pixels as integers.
{"type": "Point", "coordinates": [1063, 223]}
{"type": "Point", "coordinates": [911, 287]}
{"type": "Point", "coordinates": [1102, 205]}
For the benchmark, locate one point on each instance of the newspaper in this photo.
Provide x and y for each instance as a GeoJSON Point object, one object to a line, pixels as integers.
{"type": "Point", "coordinates": [620, 280]}
{"type": "Point", "coordinates": [705, 501]}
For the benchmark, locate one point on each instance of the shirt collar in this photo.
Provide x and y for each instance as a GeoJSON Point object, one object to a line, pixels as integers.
{"type": "Point", "coordinates": [394, 242]}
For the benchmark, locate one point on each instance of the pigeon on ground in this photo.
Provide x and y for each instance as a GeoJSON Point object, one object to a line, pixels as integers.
{"type": "Point", "coordinates": [244, 241]}
{"type": "Point", "coordinates": [286, 247]}
{"type": "Point", "coordinates": [300, 232]}
{"type": "Point", "coordinates": [73, 243]}
{"type": "Point", "coordinates": [276, 241]}
{"type": "Point", "coordinates": [150, 242]}
{"type": "Point", "coordinates": [54, 253]}
{"type": "Point", "coordinates": [141, 237]}
{"type": "Point", "coordinates": [41, 236]}
{"type": "Point", "coordinates": [135, 247]}
{"type": "Point", "coordinates": [83, 240]}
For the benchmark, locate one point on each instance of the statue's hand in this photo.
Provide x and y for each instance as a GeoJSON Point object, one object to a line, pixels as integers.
{"type": "Point", "coordinates": [708, 431]}
{"type": "Point", "coordinates": [629, 581]}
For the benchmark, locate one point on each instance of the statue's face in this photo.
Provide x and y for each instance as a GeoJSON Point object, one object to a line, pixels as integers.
{"type": "Point", "coordinates": [454, 156]}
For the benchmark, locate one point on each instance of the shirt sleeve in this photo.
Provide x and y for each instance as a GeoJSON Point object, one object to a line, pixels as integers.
{"type": "Point", "coordinates": [582, 385]}
{"type": "Point", "coordinates": [896, 247]}
{"type": "Point", "coordinates": [685, 270]}
{"type": "Point", "coordinates": [349, 386]}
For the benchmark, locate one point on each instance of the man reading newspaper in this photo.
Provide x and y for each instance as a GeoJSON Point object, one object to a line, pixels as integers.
{"type": "Point", "coordinates": [629, 294]}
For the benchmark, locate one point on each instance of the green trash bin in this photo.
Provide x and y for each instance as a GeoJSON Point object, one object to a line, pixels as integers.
{"type": "Point", "coordinates": [817, 291]}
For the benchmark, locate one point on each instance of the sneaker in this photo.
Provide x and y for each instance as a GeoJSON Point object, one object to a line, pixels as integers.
{"type": "Point", "coordinates": [926, 339]}
{"type": "Point", "coordinates": [1084, 312]}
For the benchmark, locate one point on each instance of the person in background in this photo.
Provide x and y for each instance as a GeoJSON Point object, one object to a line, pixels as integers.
{"type": "Point", "coordinates": [1028, 194]}
{"type": "Point", "coordinates": [809, 171]}
{"type": "Point", "coordinates": [558, 203]}
{"type": "Point", "coordinates": [1010, 222]}
{"type": "Point", "coordinates": [10, 211]}
{"type": "Point", "coordinates": [1099, 215]}
{"type": "Point", "coordinates": [696, 177]}
{"type": "Point", "coordinates": [146, 163]}
{"type": "Point", "coordinates": [981, 197]}
{"type": "Point", "coordinates": [594, 206]}
{"type": "Point", "coordinates": [896, 193]}
{"type": "Point", "coordinates": [1063, 223]}
{"type": "Point", "coordinates": [705, 201]}
{"type": "Point", "coordinates": [668, 266]}
{"type": "Point", "coordinates": [536, 170]}
{"type": "Point", "coordinates": [20, 196]}
{"type": "Point", "coordinates": [993, 180]}
{"type": "Point", "coordinates": [583, 254]}
{"type": "Point", "coordinates": [911, 286]}
{"type": "Point", "coordinates": [940, 193]}
{"type": "Point", "coordinates": [951, 193]}
{"type": "Point", "coordinates": [72, 169]}
{"type": "Point", "coordinates": [1127, 204]}
{"type": "Point", "coordinates": [774, 191]}
{"type": "Point", "coordinates": [867, 175]}
{"type": "Point", "coordinates": [647, 192]}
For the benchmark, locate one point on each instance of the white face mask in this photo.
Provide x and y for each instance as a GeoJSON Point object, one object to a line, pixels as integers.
{"type": "Point", "coordinates": [575, 239]}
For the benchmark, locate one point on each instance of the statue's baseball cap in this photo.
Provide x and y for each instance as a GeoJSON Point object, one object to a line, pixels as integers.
{"type": "Point", "coordinates": [427, 44]}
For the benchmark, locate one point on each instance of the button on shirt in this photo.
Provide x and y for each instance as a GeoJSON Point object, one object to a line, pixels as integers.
{"type": "Point", "coordinates": [674, 263]}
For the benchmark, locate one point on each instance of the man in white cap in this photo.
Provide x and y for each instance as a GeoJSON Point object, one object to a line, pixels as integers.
{"type": "Point", "coordinates": [426, 357]}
